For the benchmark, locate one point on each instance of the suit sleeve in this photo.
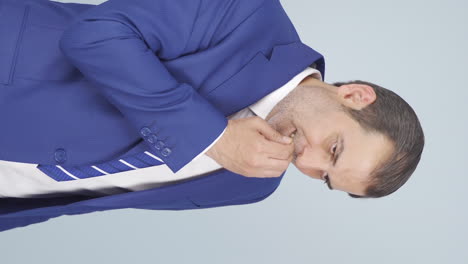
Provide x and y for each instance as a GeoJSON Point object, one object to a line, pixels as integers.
{"type": "Point", "coordinates": [118, 46]}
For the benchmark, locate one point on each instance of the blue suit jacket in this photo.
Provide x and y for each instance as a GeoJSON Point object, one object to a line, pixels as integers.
{"type": "Point", "coordinates": [101, 82]}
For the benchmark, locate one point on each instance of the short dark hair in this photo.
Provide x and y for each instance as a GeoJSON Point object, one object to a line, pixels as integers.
{"type": "Point", "coordinates": [393, 117]}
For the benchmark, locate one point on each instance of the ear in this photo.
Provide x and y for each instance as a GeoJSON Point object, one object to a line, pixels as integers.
{"type": "Point", "coordinates": [356, 96]}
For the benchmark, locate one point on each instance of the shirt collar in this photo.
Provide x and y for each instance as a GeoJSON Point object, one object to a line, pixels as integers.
{"type": "Point", "coordinates": [264, 106]}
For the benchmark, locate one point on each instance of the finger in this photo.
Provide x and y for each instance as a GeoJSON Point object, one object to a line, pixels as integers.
{"type": "Point", "coordinates": [277, 165]}
{"type": "Point", "coordinates": [270, 133]}
{"type": "Point", "coordinates": [277, 150]}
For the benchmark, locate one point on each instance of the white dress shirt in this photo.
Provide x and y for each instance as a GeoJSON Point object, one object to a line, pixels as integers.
{"type": "Point", "coordinates": [25, 180]}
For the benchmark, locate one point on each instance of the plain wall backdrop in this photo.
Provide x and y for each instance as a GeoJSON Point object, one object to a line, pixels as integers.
{"type": "Point", "coordinates": [415, 48]}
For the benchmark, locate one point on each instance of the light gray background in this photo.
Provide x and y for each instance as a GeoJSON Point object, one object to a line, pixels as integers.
{"type": "Point", "coordinates": [416, 48]}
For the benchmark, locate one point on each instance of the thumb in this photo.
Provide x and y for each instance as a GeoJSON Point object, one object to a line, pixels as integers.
{"type": "Point", "coordinates": [271, 134]}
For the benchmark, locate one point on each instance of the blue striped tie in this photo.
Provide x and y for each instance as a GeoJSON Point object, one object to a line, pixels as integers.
{"type": "Point", "coordinates": [124, 163]}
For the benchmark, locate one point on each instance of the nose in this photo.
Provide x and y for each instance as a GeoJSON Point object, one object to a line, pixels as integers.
{"type": "Point", "coordinates": [313, 161]}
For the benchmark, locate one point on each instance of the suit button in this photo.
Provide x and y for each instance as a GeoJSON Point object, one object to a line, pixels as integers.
{"type": "Point", "coordinates": [145, 131]}
{"type": "Point", "coordinates": [60, 155]}
{"type": "Point", "coordinates": [152, 138]}
{"type": "Point", "coordinates": [166, 152]}
{"type": "Point", "coordinates": [159, 145]}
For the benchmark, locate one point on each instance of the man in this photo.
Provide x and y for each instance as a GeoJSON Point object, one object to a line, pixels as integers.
{"type": "Point", "coordinates": [102, 105]}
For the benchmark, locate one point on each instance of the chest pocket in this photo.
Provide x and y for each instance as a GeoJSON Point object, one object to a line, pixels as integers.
{"type": "Point", "coordinates": [12, 19]}
{"type": "Point", "coordinates": [39, 55]}
{"type": "Point", "coordinates": [31, 48]}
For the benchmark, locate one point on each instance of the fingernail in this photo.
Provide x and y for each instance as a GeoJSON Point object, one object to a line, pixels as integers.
{"type": "Point", "coordinates": [287, 139]}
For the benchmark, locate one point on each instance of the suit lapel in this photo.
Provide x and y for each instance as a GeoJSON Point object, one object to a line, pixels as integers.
{"type": "Point", "coordinates": [262, 75]}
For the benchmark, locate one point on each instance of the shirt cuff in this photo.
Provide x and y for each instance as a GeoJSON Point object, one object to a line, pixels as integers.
{"type": "Point", "coordinates": [207, 148]}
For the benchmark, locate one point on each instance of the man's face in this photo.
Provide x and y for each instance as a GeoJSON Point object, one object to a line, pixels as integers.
{"type": "Point", "coordinates": [324, 134]}
{"type": "Point", "coordinates": [336, 136]}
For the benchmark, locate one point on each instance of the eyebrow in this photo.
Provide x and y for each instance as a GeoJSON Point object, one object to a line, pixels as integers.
{"type": "Point", "coordinates": [335, 160]}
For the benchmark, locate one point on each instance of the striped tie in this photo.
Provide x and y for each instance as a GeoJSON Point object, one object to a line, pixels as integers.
{"type": "Point", "coordinates": [124, 163]}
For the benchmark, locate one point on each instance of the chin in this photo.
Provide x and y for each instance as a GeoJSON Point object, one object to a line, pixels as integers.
{"type": "Point", "coordinates": [305, 173]}
{"type": "Point", "coordinates": [298, 168]}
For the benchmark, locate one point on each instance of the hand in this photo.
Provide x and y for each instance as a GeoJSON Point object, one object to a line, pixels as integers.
{"type": "Point", "coordinates": [252, 148]}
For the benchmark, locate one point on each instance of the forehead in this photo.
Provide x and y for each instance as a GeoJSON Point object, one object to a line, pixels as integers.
{"type": "Point", "coordinates": [363, 152]}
